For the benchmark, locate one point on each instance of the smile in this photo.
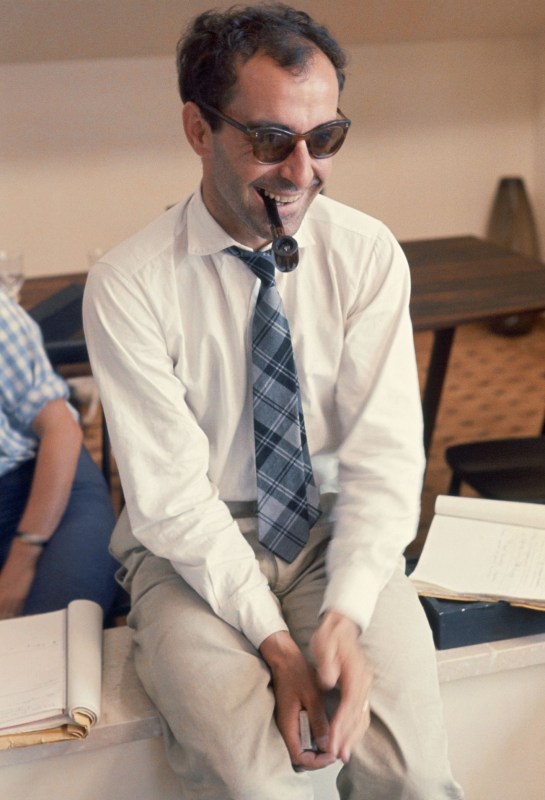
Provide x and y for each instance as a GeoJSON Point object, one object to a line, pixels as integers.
{"type": "Point", "coordinates": [283, 200]}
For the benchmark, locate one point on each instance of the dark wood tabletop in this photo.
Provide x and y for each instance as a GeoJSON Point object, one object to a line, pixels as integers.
{"type": "Point", "coordinates": [464, 279]}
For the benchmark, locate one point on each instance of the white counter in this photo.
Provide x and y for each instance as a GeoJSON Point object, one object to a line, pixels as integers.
{"type": "Point", "coordinates": [494, 696]}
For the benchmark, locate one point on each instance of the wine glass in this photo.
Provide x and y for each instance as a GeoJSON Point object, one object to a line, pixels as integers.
{"type": "Point", "coordinates": [12, 274]}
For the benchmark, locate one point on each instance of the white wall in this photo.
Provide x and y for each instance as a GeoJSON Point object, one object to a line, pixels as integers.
{"type": "Point", "coordinates": [92, 150]}
{"type": "Point", "coordinates": [439, 123]}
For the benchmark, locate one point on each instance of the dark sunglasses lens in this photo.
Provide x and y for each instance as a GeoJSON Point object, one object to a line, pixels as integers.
{"type": "Point", "coordinates": [326, 141]}
{"type": "Point", "coordinates": [271, 146]}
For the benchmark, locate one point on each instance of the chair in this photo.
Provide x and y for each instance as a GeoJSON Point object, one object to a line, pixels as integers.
{"type": "Point", "coordinates": [60, 315]}
{"type": "Point", "coordinates": [501, 469]}
{"type": "Point", "coordinates": [75, 352]}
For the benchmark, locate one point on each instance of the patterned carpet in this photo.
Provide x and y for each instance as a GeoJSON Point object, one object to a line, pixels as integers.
{"type": "Point", "coordinates": [495, 387]}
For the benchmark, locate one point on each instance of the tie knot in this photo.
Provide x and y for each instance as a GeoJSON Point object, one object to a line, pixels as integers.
{"type": "Point", "coordinates": [261, 264]}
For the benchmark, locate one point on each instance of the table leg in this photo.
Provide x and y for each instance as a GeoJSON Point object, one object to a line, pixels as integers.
{"type": "Point", "coordinates": [437, 370]}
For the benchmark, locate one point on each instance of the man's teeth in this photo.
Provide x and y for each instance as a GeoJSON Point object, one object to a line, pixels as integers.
{"type": "Point", "coordinates": [279, 199]}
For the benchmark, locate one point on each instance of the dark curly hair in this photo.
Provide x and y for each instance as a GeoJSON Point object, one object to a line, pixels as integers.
{"type": "Point", "coordinates": [208, 52]}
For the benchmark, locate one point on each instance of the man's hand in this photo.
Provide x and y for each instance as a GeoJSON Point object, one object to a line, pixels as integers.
{"type": "Point", "coordinates": [296, 688]}
{"type": "Point", "coordinates": [340, 662]}
{"type": "Point", "coordinates": [16, 577]}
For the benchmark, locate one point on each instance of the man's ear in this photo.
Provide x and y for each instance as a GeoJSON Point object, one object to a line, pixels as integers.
{"type": "Point", "coordinates": [197, 129]}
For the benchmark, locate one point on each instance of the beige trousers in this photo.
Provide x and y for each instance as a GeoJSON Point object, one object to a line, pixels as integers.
{"type": "Point", "coordinates": [213, 689]}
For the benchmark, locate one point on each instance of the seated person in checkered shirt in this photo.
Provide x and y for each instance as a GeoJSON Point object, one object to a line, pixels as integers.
{"type": "Point", "coordinates": [56, 515]}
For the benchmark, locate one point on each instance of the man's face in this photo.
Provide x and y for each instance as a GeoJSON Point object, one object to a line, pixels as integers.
{"type": "Point", "coordinates": [266, 94]}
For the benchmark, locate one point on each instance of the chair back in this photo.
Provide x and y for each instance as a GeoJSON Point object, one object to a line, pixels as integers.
{"type": "Point", "coordinates": [60, 316]}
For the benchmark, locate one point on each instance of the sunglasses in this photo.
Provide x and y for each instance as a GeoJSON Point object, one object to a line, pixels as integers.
{"type": "Point", "coordinates": [272, 144]}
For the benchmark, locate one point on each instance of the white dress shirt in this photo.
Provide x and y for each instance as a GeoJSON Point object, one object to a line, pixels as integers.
{"type": "Point", "coordinates": [168, 324]}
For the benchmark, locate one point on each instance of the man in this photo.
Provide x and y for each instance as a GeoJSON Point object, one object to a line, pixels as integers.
{"type": "Point", "coordinates": [56, 516]}
{"type": "Point", "coordinates": [232, 640]}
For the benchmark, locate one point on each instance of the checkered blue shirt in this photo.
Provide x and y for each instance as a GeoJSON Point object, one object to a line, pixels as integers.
{"type": "Point", "coordinates": [27, 384]}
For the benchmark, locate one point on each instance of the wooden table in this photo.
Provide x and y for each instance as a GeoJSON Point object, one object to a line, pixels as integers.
{"type": "Point", "coordinates": [464, 279]}
{"type": "Point", "coordinates": [454, 281]}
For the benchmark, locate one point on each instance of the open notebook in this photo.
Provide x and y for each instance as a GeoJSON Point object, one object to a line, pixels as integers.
{"type": "Point", "coordinates": [479, 549]}
{"type": "Point", "coordinates": [50, 675]}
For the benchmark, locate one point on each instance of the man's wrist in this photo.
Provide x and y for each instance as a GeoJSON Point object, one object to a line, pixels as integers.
{"type": "Point", "coordinates": [276, 647]}
{"type": "Point", "coordinates": [332, 619]}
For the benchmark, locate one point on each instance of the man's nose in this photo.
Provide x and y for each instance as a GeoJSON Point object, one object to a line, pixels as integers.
{"type": "Point", "coordinates": [298, 167]}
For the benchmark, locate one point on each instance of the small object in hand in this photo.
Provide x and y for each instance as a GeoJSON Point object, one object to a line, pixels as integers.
{"type": "Point", "coordinates": [307, 742]}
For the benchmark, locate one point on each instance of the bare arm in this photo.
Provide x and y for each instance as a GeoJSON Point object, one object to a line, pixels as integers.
{"type": "Point", "coordinates": [60, 443]}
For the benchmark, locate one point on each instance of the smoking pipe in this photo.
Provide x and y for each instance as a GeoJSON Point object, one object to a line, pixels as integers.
{"type": "Point", "coordinates": [285, 248]}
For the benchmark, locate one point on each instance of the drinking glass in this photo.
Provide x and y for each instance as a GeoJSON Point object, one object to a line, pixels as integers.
{"type": "Point", "coordinates": [12, 274]}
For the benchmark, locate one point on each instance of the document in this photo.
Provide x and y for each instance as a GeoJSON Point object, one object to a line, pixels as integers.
{"type": "Point", "coordinates": [479, 549]}
{"type": "Point", "coordinates": [50, 675]}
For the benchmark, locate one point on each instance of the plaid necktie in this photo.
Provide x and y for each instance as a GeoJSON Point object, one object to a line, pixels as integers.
{"type": "Point", "coordinates": [287, 498]}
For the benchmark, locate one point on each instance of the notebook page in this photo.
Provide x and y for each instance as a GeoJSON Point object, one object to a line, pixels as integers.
{"type": "Point", "coordinates": [32, 668]}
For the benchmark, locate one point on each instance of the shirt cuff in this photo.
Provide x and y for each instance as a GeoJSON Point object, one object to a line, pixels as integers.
{"type": "Point", "coordinates": [353, 591]}
{"type": "Point", "coordinates": [260, 618]}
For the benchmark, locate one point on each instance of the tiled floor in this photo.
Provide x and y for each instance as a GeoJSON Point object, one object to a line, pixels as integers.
{"type": "Point", "coordinates": [495, 387]}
